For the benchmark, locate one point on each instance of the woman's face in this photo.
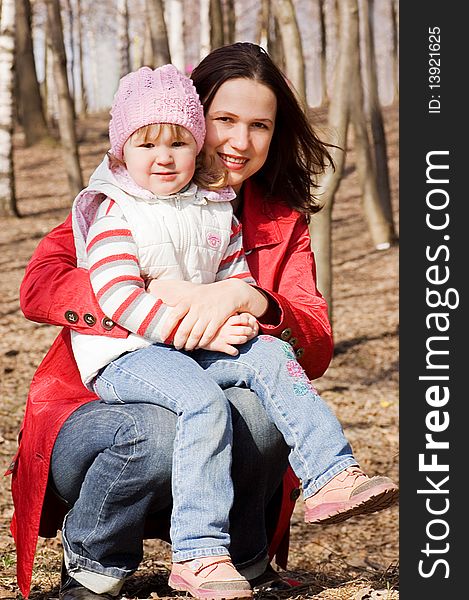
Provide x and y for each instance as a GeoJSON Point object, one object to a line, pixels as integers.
{"type": "Point", "coordinates": [240, 124]}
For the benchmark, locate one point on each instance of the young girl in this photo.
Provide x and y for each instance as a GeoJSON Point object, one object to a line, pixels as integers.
{"type": "Point", "coordinates": [143, 217]}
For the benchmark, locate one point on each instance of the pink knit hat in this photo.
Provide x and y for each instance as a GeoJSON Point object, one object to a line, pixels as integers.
{"type": "Point", "coordinates": [147, 96]}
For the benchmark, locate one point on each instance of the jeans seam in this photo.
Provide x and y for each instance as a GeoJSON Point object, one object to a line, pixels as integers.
{"type": "Point", "coordinates": [147, 384]}
{"type": "Point", "coordinates": [129, 459]}
{"type": "Point", "coordinates": [258, 376]}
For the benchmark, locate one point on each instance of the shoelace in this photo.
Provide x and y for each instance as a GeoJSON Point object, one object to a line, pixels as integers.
{"type": "Point", "coordinates": [355, 472]}
{"type": "Point", "coordinates": [213, 564]}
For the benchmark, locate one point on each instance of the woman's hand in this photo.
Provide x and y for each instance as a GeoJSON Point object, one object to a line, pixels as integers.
{"type": "Point", "coordinates": [201, 309]}
{"type": "Point", "coordinates": [237, 330]}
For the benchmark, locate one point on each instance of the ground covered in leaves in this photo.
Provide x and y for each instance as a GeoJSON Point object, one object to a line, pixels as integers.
{"type": "Point", "coordinates": [355, 560]}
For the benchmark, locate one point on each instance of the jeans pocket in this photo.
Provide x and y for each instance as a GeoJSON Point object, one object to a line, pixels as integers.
{"type": "Point", "coordinates": [106, 391]}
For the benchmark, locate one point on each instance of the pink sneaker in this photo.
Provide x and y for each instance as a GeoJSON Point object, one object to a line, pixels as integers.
{"type": "Point", "coordinates": [348, 494]}
{"type": "Point", "coordinates": [209, 578]}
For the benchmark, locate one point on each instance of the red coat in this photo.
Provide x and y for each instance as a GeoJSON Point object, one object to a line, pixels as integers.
{"type": "Point", "coordinates": [277, 243]}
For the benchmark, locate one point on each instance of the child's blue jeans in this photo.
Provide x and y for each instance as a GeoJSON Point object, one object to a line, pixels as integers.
{"type": "Point", "coordinates": [190, 385]}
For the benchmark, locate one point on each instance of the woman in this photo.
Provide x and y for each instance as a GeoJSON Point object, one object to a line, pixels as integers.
{"type": "Point", "coordinates": [110, 466]}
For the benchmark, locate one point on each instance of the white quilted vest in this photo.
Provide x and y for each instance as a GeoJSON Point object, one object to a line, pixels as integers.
{"type": "Point", "coordinates": [183, 236]}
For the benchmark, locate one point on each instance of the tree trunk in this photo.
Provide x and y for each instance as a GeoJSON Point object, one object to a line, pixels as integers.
{"type": "Point", "coordinates": [29, 96]}
{"type": "Point", "coordinates": [158, 33]}
{"type": "Point", "coordinates": [230, 22]}
{"type": "Point", "coordinates": [375, 117]}
{"type": "Point", "coordinates": [378, 222]}
{"type": "Point", "coordinates": [395, 30]}
{"type": "Point", "coordinates": [284, 12]}
{"type": "Point", "coordinates": [148, 59]}
{"type": "Point", "coordinates": [94, 65]}
{"type": "Point", "coordinates": [66, 110]}
{"type": "Point", "coordinates": [8, 206]}
{"type": "Point", "coordinates": [45, 82]}
{"type": "Point", "coordinates": [325, 96]}
{"type": "Point", "coordinates": [338, 123]}
{"type": "Point", "coordinates": [71, 53]}
{"type": "Point", "coordinates": [216, 24]}
{"type": "Point", "coordinates": [175, 21]}
{"type": "Point", "coordinates": [204, 43]}
{"type": "Point", "coordinates": [123, 37]}
{"type": "Point", "coordinates": [263, 25]}
{"type": "Point", "coordinates": [81, 65]}
{"type": "Point", "coordinates": [331, 23]}
{"type": "Point", "coordinates": [310, 24]}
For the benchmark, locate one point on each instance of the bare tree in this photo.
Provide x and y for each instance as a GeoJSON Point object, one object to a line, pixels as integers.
{"type": "Point", "coordinates": [158, 33]}
{"type": "Point", "coordinates": [378, 219]}
{"type": "Point", "coordinates": [71, 46]}
{"type": "Point", "coordinates": [338, 125]}
{"type": "Point", "coordinates": [217, 37]}
{"type": "Point", "coordinates": [7, 78]}
{"type": "Point", "coordinates": [230, 21]}
{"type": "Point", "coordinates": [123, 36]}
{"type": "Point", "coordinates": [66, 110]}
{"type": "Point", "coordinates": [309, 18]}
{"type": "Point", "coordinates": [204, 43]}
{"type": "Point", "coordinates": [81, 65]}
{"type": "Point", "coordinates": [395, 30]}
{"type": "Point", "coordinates": [263, 24]}
{"type": "Point", "coordinates": [284, 12]}
{"type": "Point", "coordinates": [29, 96]}
{"type": "Point", "coordinates": [275, 42]}
{"type": "Point", "coordinates": [147, 50]}
{"type": "Point", "coordinates": [322, 16]}
{"type": "Point", "coordinates": [375, 118]}
{"type": "Point", "coordinates": [331, 24]}
{"type": "Point", "coordinates": [175, 23]}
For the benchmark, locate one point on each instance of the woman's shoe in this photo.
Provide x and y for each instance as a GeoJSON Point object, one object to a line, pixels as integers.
{"type": "Point", "coordinates": [70, 589]}
{"type": "Point", "coordinates": [209, 578]}
{"type": "Point", "coordinates": [348, 494]}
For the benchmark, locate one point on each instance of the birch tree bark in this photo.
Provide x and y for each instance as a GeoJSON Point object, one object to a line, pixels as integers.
{"type": "Point", "coordinates": [204, 28]}
{"type": "Point", "coordinates": [338, 124]}
{"type": "Point", "coordinates": [29, 97]}
{"type": "Point", "coordinates": [158, 33]}
{"type": "Point", "coordinates": [284, 12]}
{"type": "Point", "coordinates": [65, 105]}
{"type": "Point", "coordinates": [175, 22]}
{"type": "Point", "coordinates": [81, 64]}
{"type": "Point", "coordinates": [8, 206]}
{"type": "Point", "coordinates": [123, 37]}
{"type": "Point", "coordinates": [71, 52]}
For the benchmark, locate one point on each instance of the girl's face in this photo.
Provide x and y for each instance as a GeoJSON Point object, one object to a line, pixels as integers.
{"type": "Point", "coordinates": [240, 124]}
{"type": "Point", "coordinates": [163, 164]}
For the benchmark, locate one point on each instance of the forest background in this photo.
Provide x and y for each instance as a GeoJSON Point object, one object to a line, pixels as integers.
{"type": "Point", "coordinates": [60, 63]}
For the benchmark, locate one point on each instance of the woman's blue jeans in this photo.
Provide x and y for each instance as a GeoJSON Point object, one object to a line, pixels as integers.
{"type": "Point", "coordinates": [191, 385]}
{"type": "Point", "coordinates": [113, 465]}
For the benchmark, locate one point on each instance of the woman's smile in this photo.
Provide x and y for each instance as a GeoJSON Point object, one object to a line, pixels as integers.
{"type": "Point", "coordinates": [234, 163]}
{"type": "Point", "coordinates": [240, 124]}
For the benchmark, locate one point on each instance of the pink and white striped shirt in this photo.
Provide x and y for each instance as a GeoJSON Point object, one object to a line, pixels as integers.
{"type": "Point", "coordinates": [125, 237]}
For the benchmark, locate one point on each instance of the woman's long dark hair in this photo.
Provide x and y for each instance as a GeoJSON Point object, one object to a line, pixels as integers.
{"type": "Point", "coordinates": [296, 155]}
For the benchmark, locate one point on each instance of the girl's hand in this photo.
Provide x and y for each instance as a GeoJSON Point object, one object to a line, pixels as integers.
{"type": "Point", "coordinates": [237, 330]}
{"type": "Point", "coordinates": [199, 310]}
